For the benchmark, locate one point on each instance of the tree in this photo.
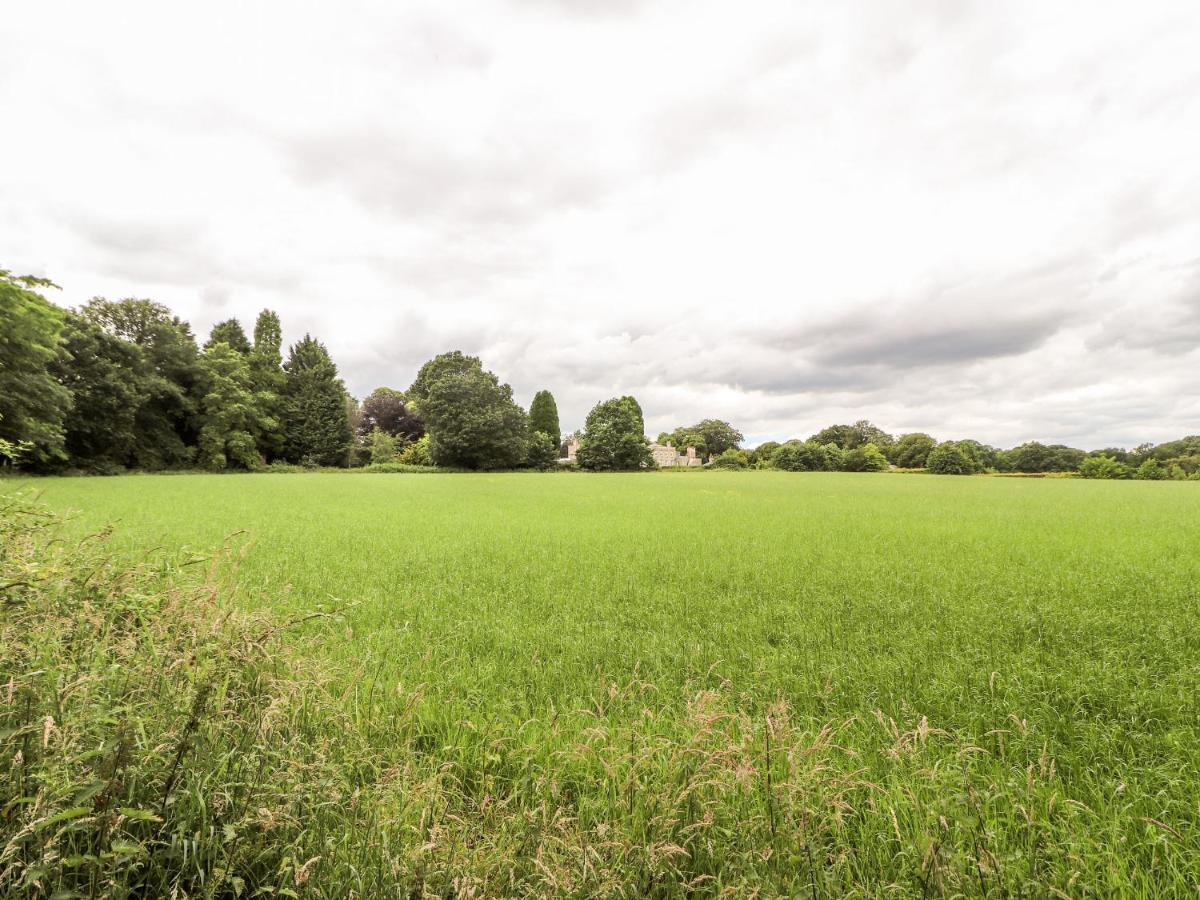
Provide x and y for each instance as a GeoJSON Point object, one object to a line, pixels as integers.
{"type": "Point", "coordinates": [105, 376]}
{"type": "Point", "coordinates": [851, 437]}
{"type": "Point", "coordinates": [542, 452]}
{"type": "Point", "coordinates": [710, 437]}
{"type": "Point", "coordinates": [382, 447]}
{"type": "Point", "coordinates": [948, 458]}
{"type": "Point", "coordinates": [867, 458]}
{"type": "Point", "coordinates": [231, 412]}
{"type": "Point", "coordinates": [33, 404]}
{"type": "Point", "coordinates": [762, 453]}
{"type": "Point", "coordinates": [229, 332]}
{"type": "Point", "coordinates": [614, 437]}
{"type": "Point", "coordinates": [1151, 470]}
{"type": "Point", "coordinates": [1103, 466]}
{"type": "Point", "coordinates": [472, 420]}
{"type": "Point", "coordinates": [385, 409]}
{"type": "Point", "coordinates": [807, 456]}
{"type": "Point", "coordinates": [543, 416]}
{"type": "Point", "coordinates": [315, 422]}
{"type": "Point", "coordinates": [170, 370]}
{"type": "Point", "coordinates": [911, 450]}
{"type": "Point", "coordinates": [1034, 457]}
{"type": "Point", "coordinates": [266, 370]}
{"type": "Point", "coordinates": [445, 364]}
{"type": "Point", "coordinates": [981, 455]}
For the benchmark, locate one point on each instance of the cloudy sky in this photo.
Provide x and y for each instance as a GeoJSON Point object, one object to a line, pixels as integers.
{"type": "Point", "coordinates": [974, 219]}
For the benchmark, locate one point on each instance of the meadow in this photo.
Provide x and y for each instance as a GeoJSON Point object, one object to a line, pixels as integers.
{"type": "Point", "coordinates": [701, 683]}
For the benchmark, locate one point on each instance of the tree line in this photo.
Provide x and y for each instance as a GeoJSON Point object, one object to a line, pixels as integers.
{"type": "Point", "coordinates": [864, 447]}
{"type": "Point", "coordinates": [124, 384]}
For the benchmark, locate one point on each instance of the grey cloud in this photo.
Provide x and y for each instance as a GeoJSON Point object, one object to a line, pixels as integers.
{"type": "Point", "coordinates": [496, 182]}
{"type": "Point", "coordinates": [171, 253]}
{"type": "Point", "coordinates": [905, 344]}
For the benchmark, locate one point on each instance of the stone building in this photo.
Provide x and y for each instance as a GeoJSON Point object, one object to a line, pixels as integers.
{"type": "Point", "coordinates": [667, 456]}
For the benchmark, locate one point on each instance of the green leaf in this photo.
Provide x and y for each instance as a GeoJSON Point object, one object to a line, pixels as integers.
{"type": "Point", "coordinates": [139, 815]}
{"type": "Point", "coordinates": [66, 815]}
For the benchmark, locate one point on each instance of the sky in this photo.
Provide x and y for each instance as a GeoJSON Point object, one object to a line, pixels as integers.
{"type": "Point", "coordinates": [972, 219]}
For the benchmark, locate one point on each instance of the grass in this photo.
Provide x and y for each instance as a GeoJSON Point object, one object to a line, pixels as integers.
{"type": "Point", "coordinates": [810, 685]}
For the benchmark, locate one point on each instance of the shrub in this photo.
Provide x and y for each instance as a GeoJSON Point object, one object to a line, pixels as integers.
{"type": "Point", "coordinates": [807, 457]}
{"type": "Point", "coordinates": [416, 453]}
{"type": "Point", "coordinates": [1103, 467]}
{"type": "Point", "coordinates": [383, 447]}
{"type": "Point", "coordinates": [1151, 470]}
{"type": "Point", "coordinates": [732, 459]}
{"type": "Point", "coordinates": [542, 452]}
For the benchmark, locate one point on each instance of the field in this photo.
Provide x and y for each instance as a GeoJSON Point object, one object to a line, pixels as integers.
{"type": "Point", "coordinates": [807, 685]}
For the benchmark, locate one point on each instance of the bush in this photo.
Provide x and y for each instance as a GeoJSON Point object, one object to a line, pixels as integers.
{"type": "Point", "coordinates": [382, 446]}
{"type": "Point", "coordinates": [1151, 470]}
{"type": "Point", "coordinates": [950, 459]}
{"type": "Point", "coordinates": [1103, 467]}
{"type": "Point", "coordinates": [806, 457]}
{"type": "Point", "coordinates": [416, 454]}
{"type": "Point", "coordinates": [732, 459]}
{"type": "Point", "coordinates": [542, 452]}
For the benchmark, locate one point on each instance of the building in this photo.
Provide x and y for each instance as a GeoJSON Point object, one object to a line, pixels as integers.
{"type": "Point", "coordinates": [667, 456]}
{"type": "Point", "coordinates": [570, 448]}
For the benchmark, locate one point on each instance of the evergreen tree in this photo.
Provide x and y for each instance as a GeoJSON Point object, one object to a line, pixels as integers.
{"type": "Point", "coordinates": [266, 371]}
{"type": "Point", "coordinates": [231, 411]}
{"type": "Point", "coordinates": [543, 416]}
{"type": "Point", "coordinates": [229, 332]}
{"type": "Point", "coordinates": [33, 404]}
{"type": "Point", "coordinates": [316, 424]}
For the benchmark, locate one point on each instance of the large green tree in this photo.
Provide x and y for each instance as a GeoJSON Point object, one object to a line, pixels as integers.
{"type": "Point", "coordinates": [33, 404]}
{"type": "Point", "coordinates": [231, 413]}
{"type": "Point", "coordinates": [470, 415]}
{"type": "Point", "coordinates": [266, 371]}
{"type": "Point", "coordinates": [107, 378]}
{"type": "Point", "coordinates": [455, 362]}
{"type": "Point", "coordinates": [710, 437]}
{"type": "Point", "coordinates": [543, 416]}
{"type": "Point", "coordinates": [614, 437]}
{"type": "Point", "coordinates": [851, 437]}
{"type": "Point", "coordinates": [911, 450]}
{"type": "Point", "coordinates": [316, 423]}
{"type": "Point", "coordinates": [229, 332]}
{"type": "Point", "coordinates": [170, 370]}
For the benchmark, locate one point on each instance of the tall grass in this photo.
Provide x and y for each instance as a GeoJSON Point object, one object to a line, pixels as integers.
{"type": "Point", "coordinates": [612, 686]}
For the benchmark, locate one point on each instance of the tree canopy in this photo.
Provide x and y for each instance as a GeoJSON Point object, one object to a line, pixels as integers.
{"type": "Point", "coordinates": [472, 420]}
{"type": "Point", "coordinates": [316, 425]}
{"type": "Point", "coordinates": [543, 417]}
{"type": "Point", "coordinates": [614, 437]}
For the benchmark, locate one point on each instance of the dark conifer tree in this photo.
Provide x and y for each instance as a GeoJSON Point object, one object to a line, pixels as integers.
{"type": "Point", "coordinates": [543, 416]}
{"type": "Point", "coordinates": [316, 424]}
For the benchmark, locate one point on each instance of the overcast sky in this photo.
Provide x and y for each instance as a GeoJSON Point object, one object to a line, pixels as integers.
{"type": "Point", "coordinates": [973, 219]}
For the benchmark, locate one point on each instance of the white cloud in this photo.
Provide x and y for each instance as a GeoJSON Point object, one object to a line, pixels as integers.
{"type": "Point", "coordinates": [972, 219]}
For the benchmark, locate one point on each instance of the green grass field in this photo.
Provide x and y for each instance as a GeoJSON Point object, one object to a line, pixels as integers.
{"type": "Point", "coordinates": [808, 685]}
